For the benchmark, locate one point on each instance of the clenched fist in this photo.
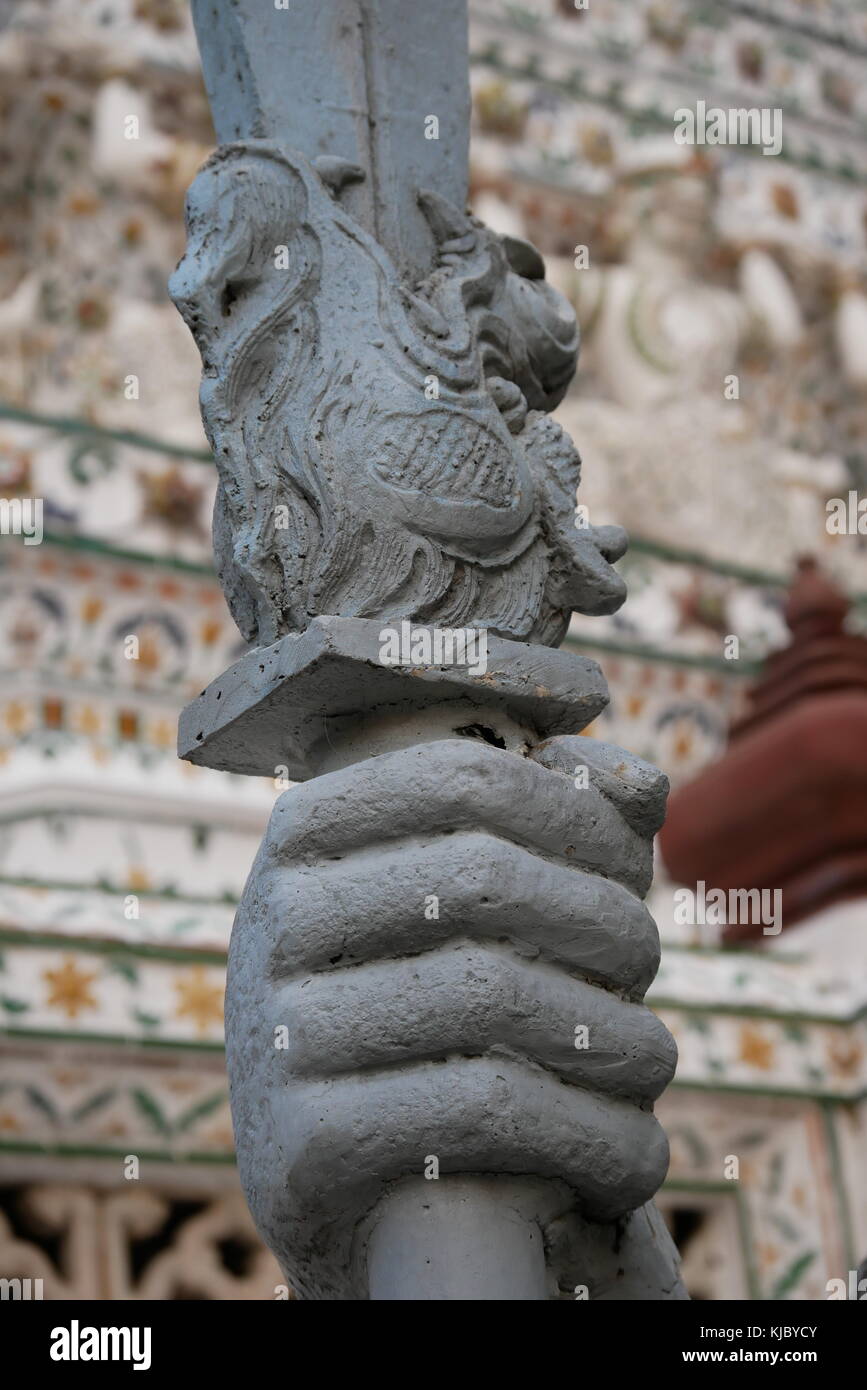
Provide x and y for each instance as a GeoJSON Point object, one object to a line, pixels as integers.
{"type": "Point", "coordinates": [443, 952]}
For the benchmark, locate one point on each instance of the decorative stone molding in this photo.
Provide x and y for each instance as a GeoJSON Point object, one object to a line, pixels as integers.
{"type": "Point", "coordinates": [98, 1234]}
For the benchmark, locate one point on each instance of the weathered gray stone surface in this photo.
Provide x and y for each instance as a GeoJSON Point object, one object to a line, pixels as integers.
{"type": "Point", "coordinates": [410, 1035]}
{"type": "Point", "coordinates": [278, 704]}
{"type": "Point", "coordinates": [500, 1238]}
{"type": "Point", "coordinates": [350, 81]}
{"type": "Point", "coordinates": [437, 914]}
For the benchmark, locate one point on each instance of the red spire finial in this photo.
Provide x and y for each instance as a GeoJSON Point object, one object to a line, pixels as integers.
{"type": "Point", "coordinates": [785, 807]}
{"type": "Point", "coordinates": [815, 606]}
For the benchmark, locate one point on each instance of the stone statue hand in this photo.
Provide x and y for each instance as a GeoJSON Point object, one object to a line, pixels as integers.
{"type": "Point", "coordinates": [439, 961]}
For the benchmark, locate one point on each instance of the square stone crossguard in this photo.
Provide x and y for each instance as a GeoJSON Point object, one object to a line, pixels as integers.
{"type": "Point", "coordinates": [288, 706]}
{"type": "Point", "coordinates": [377, 371]}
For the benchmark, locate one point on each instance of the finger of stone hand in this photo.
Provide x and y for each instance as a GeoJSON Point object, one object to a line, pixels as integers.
{"type": "Point", "coordinates": [458, 784]}
{"type": "Point", "coordinates": [466, 999]}
{"type": "Point", "coordinates": [633, 1260]}
{"type": "Point", "coordinates": [406, 898]}
{"type": "Point", "coordinates": [638, 789]}
{"type": "Point", "coordinates": [484, 1115]}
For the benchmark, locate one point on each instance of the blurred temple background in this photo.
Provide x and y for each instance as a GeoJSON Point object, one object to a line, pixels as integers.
{"type": "Point", "coordinates": [721, 402]}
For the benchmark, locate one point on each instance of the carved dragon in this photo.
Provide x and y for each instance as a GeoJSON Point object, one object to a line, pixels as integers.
{"type": "Point", "coordinates": [382, 449]}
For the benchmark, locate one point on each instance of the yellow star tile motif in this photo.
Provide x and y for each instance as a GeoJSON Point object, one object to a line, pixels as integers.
{"type": "Point", "coordinates": [69, 988]}
{"type": "Point", "coordinates": [199, 999]}
{"type": "Point", "coordinates": [756, 1049]}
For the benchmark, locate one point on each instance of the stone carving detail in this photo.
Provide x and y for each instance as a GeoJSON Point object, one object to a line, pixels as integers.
{"type": "Point", "coordinates": [382, 448]}
{"type": "Point", "coordinates": [456, 1032]}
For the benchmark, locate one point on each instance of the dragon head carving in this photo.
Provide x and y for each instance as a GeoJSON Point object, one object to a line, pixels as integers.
{"type": "Point", "coordinates": [383, 450]}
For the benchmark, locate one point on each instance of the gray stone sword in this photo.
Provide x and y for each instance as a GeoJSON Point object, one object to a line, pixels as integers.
{"type": "Point", "coordinates": [441, 1068]}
